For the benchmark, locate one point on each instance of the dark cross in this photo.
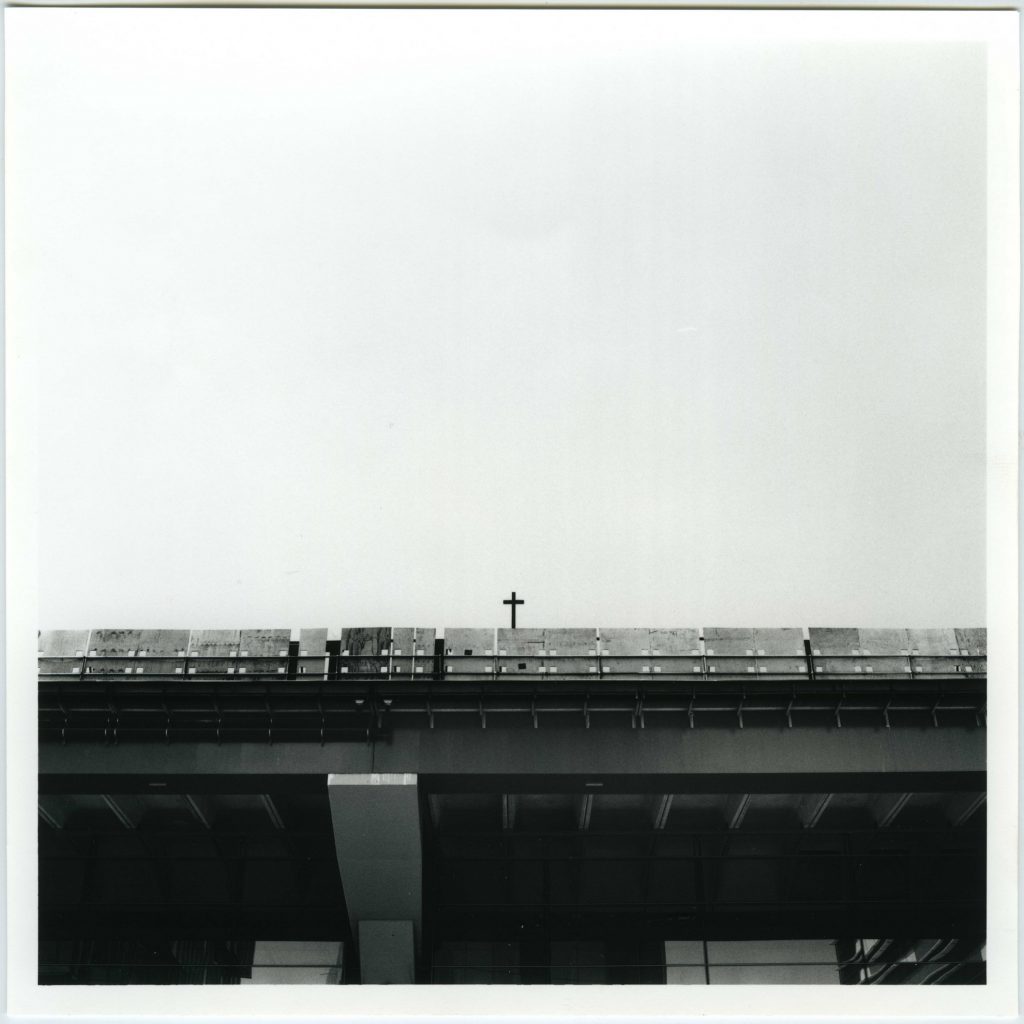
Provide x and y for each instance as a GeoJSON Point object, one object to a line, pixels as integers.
{"type": "Point", "coordinates": [512, 601]}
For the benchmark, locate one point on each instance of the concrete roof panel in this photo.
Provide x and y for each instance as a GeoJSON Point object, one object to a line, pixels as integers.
{"type": "Point", "coordinates": [264, 642]}
{"type": "Point", "coordinates": [625, 641]}
{"type": "Point", "coordinates": [884, 641]}
{"type": "Point", "coordinates": [973, 640]}
{"type": "Point", "coordinates": [408, 640]}
{"type": "Point", "coordinates": [367, 640]}
{"type": "Point", "coordinates": [527, 634]}
{"type": "Point", "coordinates": [460, 640]}
{"type": "Point", "coordinates": [788, 641]}
{"type": "Point", "coordinates": [729, 640]}
{"type": "Point", "coordinates": [571, 641]}
{"type": "Point", "coordinates": [933, 641]}
{"type": "Point", "coordinates": [831, 640]}
{"type": "Point", "coordinates": [403, 637]}
{"type": "Point", "coordinates": [214, 642]}
{"type": "Point", "coordinates": [163, 641]}
{"type": "Point", "coordinates": [425, 638]}
{"type": "Point", "coordinates": [675, 641]}
{"type": "Point", "coordinates": [521, 641]}
{"type": "Point", "coordinates": [115, 641]}
{"type": "Point", "coordinates": [313, 641]}
{"type": "Point", "coordinates": [63, 642]}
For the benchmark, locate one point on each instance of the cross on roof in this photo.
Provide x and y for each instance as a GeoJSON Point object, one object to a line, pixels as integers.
{"type": "Point", "coordinates": [513, 602]}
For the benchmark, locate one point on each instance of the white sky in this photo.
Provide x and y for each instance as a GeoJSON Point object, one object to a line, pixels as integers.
{"type": "Point", "coordinates": [370, 317]}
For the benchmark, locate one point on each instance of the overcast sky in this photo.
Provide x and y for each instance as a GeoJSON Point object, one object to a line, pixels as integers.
{"type": "Point", "coordinates": [369, 317]}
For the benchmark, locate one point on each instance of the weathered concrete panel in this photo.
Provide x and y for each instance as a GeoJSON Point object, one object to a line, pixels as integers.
{"type": "Point", "coordinates": [973, 644]}
{"type": "Point", "coordinates": [973, 641]}
{"type": "Point", "coordinates": [263, 651]}
{"type": "Point", "coordinates": [625, 651]}
{"type": "Point", "coordinates": [570, 650]}
{"type": "Point", "coordinates": [163, 650]}
{"type": "Point", "coordinates": [171, 643]}
{"type": "Point", "coordinates": [471, 650]}
{"type": "Point", "coordinates": [64, 642]}
{"type": "Point", "coordinates": [365, 650]}
{"type": "Point", "coordinates": [215, 643]}
{"type": "Point", "coordinates": [763, 651]}
{"type": "Point", "coordinates": [650, 651]}
{"type": "Point", "coordinates": [833, 650]}
{"type": "Point", "coordinates": [402, 639]}
{"type": "Point", "coordinates": [932, 642]}
{"type": "Point", "coordinates": [64, 645]}
{"type": "Point", "coordinates": [110, 642]}
{"type": "Point", "coordinates": [216, 651]}
{"type": "Point", "coordinates": [313, 659]}
{"type": "Point", "coordinates": [522, 641]}
{"type": "Point", "coordinates": [877, 642]}
{"type": "Point", "coordinates": [674, 641]}
{"type": "Point", "coordinates": [257, 643]}
{"type": "Point", "coordinates": [935, 651]}
{"type": "Point", "coordinates": [423, 650]}
{"type": "Point", "coordinates": [729, 640]}
{"type": "Point", "coordinates": [412, 649]}
{"type": "Point", "coordinates": [617, 641]}
{"type": "Point", "coordinates": [675, 651]}
{"type": "Point", "coordinates": [885, 650]}
{"type": "Point", "coordinates": [115, 651]}
{"type": "Point", "coordinates": [730, 650]}
{"type": "Point", "coordinates": [779, 651]}
{"type": "Point", "coordinates": [788, 642]}
{"type": "Point", "coordinates": [829, 640]}
{"type": "Point", "coordinates": [581, 642]}
{"type": "Point", "coordinates": [312, 642]}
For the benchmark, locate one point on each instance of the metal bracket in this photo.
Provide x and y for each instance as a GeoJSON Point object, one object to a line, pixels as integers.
{"type": "Point", "coordinates": [110, 725]}
{"type": "Point", "coordinates": [167, 715]}
{"type": "Point", "coordinates": [638, 713]}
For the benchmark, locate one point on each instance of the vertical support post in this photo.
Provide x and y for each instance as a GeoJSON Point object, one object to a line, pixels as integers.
{"type": "Point", "coordinates": [376, 821]}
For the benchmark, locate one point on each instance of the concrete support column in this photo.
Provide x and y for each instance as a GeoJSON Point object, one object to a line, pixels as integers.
{"type": "Point", "coordinates": [376, 821]}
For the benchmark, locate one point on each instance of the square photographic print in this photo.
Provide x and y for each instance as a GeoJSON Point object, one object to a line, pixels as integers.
{"type": "Point", "coordinates": [515, 510]}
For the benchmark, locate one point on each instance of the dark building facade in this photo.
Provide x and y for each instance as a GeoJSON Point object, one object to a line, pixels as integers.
{"type": "Point", "coordinates": [512, 806]}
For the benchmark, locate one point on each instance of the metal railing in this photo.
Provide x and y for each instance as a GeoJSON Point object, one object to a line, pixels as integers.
{"type": "Point", "coordinates": [356, 696]}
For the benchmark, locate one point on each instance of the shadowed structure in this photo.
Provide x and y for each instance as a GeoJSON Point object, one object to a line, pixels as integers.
{"type": "Point", "coordinates": [690, 806]}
